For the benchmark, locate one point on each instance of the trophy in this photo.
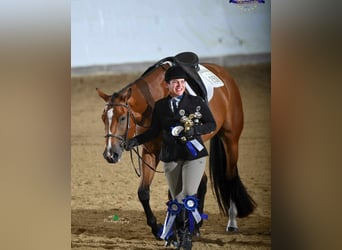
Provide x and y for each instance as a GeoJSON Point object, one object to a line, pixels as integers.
{"type": "Point", "coordinates": [190, 121]}
{"type": "Point", "coordinates": [187, 123]}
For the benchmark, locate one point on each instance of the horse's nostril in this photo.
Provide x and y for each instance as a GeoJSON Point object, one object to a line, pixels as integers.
{"type": "Point", "coordinates": [111, 157]}
{"type": "Point", "coordinates": [115, 156]}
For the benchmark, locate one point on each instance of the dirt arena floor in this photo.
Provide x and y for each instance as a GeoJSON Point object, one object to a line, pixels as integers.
{"type": "Point", "coordinates": [105, 210]}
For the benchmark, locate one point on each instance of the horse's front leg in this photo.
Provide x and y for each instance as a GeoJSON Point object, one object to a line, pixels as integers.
{"type": "Point", "coordinates": [144, 192]}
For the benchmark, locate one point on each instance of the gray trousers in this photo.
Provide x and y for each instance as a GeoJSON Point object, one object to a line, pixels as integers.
{"type": "Point", "coordinates": [184, 177]}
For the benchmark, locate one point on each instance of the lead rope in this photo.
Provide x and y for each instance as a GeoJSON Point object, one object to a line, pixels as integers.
{"type": "Point", "coordinates": [139, 163]}
{"type": "Point", "coordinates": [140, 159]}
{"type": "Point", "coordinates": [136, 151]}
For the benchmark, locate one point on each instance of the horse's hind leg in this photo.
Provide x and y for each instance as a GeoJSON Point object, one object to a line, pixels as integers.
{"type": "Point", "coordinates": [240, 203]}
{"type": "Point", "coordinates": [232, 222]}
{"type": "Point", "coordinates": [231, 171]}
{"type": "Point", "coordinates": [201, 192]}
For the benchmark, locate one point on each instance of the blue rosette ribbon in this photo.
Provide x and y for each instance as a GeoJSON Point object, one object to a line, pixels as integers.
{"type": "Point", "coordinates": [191, 204]}
{"type": "Point", "coordinates": [173, 209]}
{"type": "Point", "coordinates": [191, 148]}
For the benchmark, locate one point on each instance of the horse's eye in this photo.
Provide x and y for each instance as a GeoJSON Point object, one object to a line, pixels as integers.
{"type": "Point", "coordinates": [122, 118]}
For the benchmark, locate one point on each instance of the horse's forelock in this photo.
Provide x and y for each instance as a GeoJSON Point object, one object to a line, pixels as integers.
{"type": "Point", "coordinates": [114, 95]}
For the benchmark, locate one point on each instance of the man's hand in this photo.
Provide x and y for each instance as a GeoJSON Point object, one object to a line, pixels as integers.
{"type": "Point", "coordinates": [131, 143]}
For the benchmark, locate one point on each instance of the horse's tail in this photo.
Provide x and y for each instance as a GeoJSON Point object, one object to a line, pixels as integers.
{"type": "Point", "coordinates": [226, 189]}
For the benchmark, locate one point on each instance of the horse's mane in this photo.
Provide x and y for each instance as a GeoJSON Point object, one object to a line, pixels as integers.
{"type": "Point", "coordinates": [148, 70]}
{"type": "Point", "coordinates": [189, 62]}
{"type": "Point", "coordinates": [157, 64]}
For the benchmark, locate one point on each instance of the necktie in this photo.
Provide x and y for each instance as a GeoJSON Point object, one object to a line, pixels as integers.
{"type": "Point", "coordinates": [174, 103]}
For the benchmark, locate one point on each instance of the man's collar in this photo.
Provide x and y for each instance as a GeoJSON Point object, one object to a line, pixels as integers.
{"type": "Point", "coordinates": [177, 97]}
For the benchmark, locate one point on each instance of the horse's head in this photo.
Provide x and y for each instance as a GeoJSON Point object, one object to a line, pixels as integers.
{"type": "Point", "coordinates": [116, 117]}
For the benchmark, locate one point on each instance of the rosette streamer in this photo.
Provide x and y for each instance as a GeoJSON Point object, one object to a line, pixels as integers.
{"type": "Point", "coordinates": [191, 204]}
{"type": "Point", "coordinates": [191, 148]}
{"type": "Point", "coordinates": [173, 209]}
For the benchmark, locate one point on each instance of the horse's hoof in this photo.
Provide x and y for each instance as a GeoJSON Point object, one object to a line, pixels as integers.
{"type": "Point", "coordinates": [232, 229]}
{"type": "Point", "coordinates": [196, 233]}
{"type": "Point", "coordinates": [157, 231]}
{"type": "Point", "coordinates": [171, 243]}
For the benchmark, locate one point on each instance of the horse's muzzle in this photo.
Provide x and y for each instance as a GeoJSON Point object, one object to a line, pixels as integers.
{"type": "Point", "coordinates": [111, 157]}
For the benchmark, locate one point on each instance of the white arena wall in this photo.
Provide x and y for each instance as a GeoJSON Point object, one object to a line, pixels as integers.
{"type": "Point", "coordinates": [130, 35]}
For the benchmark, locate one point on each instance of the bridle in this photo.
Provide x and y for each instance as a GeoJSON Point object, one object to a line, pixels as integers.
{"type": "Point", "coordinates": [123, 140]}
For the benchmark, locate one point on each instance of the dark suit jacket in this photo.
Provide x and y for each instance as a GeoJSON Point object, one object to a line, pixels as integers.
{"type": "Point", "coordinates": [163, 120]}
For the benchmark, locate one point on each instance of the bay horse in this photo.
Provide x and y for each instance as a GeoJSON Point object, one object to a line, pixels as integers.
{"type": "Point", "coordinates": [128, 112]}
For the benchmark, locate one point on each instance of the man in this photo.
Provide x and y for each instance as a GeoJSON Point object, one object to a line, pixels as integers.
{"type": "Point", "coordinates": [182, 119]}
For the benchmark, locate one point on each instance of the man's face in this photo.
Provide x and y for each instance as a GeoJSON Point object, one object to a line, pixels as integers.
{"type": "Point", "coordinates": [177, 87]}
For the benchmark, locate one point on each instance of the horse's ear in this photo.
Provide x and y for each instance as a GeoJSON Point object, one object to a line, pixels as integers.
{"type": "Point", "coordinates": [104, 96]}
{"type": "Point", "coordinates": [128, 94]}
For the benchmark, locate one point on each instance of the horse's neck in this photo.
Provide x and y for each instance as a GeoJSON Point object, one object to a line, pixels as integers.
{"type": "Point", "coordinates": [147, 90]}
{"type": "Point", "coordinates": [150, 88]}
